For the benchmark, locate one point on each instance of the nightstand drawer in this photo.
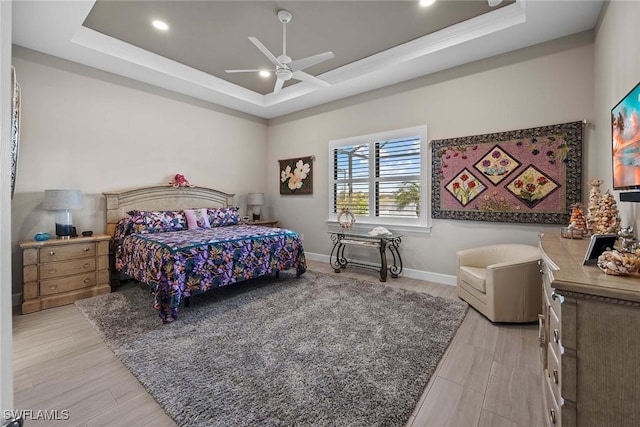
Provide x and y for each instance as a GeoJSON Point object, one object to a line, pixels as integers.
{"type": "Point", "coordinates": [61, 253]}
{"type": "Point", "coordinates": [61, 271]}
{"type": "Point", "coordinates": [65, 268]}
{"type": "Point", "coordinates": [79, 281]}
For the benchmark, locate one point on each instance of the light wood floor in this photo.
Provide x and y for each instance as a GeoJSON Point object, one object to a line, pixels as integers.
{"type": "Point", "coordinates": [488, 376]}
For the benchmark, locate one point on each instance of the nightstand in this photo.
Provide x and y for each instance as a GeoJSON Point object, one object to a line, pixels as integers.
{"type": "Point", "coordinates": [61, 271]}
{"type": "Point", "coordinates": [267, 222]}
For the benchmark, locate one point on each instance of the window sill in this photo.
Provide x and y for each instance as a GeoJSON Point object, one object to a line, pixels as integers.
{"type": "Point", "coordinates": [398, 228]}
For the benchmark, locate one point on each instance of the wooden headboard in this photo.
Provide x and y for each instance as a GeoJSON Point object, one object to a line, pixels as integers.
{"type": "Point", "coordinates": [161, 198]}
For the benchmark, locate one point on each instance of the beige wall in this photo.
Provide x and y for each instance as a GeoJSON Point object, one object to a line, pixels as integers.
{"type": "Point", "coordinates": [96, 132]}
{"type": "Point", "coordinates": [617, 71]}
{"type": "Point", "coordinates": [542, 85]}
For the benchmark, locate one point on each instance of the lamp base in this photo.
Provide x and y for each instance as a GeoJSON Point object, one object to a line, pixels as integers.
{"type": "Point", "coordinates": [64, 231]}
{"type": "Point", "coordinates": [256, 211]}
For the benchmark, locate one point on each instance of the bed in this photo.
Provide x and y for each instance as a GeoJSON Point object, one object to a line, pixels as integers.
{"type": "Point", "coordinates": [187, 240]}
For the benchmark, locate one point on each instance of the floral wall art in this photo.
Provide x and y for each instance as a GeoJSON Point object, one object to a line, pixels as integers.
{"type": "Point", "coordinates": [529, 175]}
{"type": "Point", "coordinates": [296, 175]}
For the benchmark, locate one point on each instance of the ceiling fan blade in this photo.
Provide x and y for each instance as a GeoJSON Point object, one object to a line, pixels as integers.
{"type": "Point", "coordinates": [265, 51]}
{"type": "Point", "coordinates": [242, 71]}
{"type": "Point", "coordinates": [306, 77]}
{"type": "Point", "coordinates": [278, 87]}
{"type": "Point", "coordinates": [301, 64]}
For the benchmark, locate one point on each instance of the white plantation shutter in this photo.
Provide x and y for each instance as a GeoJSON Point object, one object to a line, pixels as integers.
{"type": "Point", "coordinates": [380, 178]}
{"type": "Point", "coordinates": [398, 173]}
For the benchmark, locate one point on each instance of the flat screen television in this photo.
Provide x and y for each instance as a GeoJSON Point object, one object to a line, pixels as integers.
{"type": "Point", "coordinates": [625, 141]}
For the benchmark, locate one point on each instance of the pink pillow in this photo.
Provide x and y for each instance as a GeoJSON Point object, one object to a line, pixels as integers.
{"type": "Point", "coordinates": [197, 218]}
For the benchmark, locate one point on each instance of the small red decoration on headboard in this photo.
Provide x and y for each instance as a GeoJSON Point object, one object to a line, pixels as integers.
{"type": "Point", "coordinates": [180, 181]}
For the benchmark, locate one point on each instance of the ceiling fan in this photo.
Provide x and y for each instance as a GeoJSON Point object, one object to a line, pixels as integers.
{"type": "Point", "coordinates": [285, 67]}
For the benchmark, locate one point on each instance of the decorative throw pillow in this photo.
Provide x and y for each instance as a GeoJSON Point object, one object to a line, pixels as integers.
{"type": "Point", "coordinates": [223, 216]}
{"type": "Point", "coordinates": [158, 221]}
{"type": "Point", "coordinates": [197, 218]}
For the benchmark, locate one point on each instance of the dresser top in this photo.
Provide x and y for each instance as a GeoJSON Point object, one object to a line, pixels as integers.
{"type": "Point", "coordinates": [56, 242]}
{"type": "Point", "coordinates": [569, 274]}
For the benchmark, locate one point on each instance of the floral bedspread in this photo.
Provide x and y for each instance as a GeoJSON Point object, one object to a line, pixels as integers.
{"type": "Point", "coordinates": [179, 264]}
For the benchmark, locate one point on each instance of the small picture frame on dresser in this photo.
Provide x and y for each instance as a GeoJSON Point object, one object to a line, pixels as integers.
{"type": "Point", "coordinates": [597, 245]}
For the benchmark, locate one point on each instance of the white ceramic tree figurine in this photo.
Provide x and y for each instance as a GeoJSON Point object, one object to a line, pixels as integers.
{"type": "Point", "coordinates": [594, 205]}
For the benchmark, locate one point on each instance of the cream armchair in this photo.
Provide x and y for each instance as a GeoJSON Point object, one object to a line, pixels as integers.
{"type": "Point", "coordinates": [503, 282]}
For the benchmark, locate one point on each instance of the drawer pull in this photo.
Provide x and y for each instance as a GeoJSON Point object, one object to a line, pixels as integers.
{"type": "Point", "coordinates": [86, 265]}
{"type": "Point", "coordinates": [555, 376]}
{"type": "Point", "coordinates": [53, 287]}
{"type": "Point", "coordinates": [556, 335]}
{"type": "Point", "coordinates": [87, 280]}
{"type": "Point", "coordinates": [52, 253]}
{"type": "Point", "coordinates": [85, 249]}
{"type": "Point", "coordinates": [553, 416]}
{"type": "Point", "coordinates": [53, 270]}
{"type": "Point", "coordinates": [541, 338]}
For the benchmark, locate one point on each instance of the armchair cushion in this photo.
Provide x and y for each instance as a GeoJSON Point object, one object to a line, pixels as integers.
{"type": "Point", "coordinates": [474, 276]}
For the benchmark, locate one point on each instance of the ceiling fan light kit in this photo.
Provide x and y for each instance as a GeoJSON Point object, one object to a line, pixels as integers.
{"type": "Point", "coordinates": [285, 67]}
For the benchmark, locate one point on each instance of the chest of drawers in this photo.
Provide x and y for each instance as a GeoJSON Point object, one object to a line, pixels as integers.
{"type": "Point", "coordinates": [59, 272]}
{"type": "Point", "coordinates": [589, 340]}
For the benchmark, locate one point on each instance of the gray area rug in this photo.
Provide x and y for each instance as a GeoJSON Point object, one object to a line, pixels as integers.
{"type": "Point", "coordinates": [319, 350]}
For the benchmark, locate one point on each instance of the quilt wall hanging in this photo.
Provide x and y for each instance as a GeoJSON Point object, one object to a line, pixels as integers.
{"type": "Point", "coordinates": [528, 175]}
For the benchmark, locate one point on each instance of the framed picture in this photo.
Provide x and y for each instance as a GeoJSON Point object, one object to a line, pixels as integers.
{"type": "Point", "coordinates": [528, 176]}
{"type": "Point", "coordinates": [597, 245]}
{"type": "Point", "coordinates": [296, 175]}
{"type": "Point", "coordinates": [15, 128]}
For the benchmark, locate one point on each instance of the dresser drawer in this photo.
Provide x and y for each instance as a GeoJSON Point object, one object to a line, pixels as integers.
{"type": "Point", "coordinates": [555, 331]}
{"type": "Point", "coordinates": [78, 281]}
{"type": "Point", "coordinates": [65, 268]}
{"type": "Point", "coordinates": [59, 272]}
{"type": "Point", "coordinates": [552, 409]}
{"type": "Point", "coordinates": [553, 374]}
{"type": "Point", "coordinates": [66, 252]}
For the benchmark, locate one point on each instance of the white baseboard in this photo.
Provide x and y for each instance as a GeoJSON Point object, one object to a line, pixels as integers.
{"type": "Point", "coordinates": [428, 276]}
{"type": "Point", "coordinates": [16, 299]}
{"type": "Point", "coordinates": [316, 257]}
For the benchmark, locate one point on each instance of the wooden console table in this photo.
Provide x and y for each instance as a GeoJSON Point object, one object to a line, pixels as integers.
{"type": "Point", "coordinates": [342, 239]}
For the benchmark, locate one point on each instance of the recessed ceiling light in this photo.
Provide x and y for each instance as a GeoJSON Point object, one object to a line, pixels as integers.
{"type": "Point", "coordinates": [425, 3]}
{"type": "Point", "coordinates": [160, 25]}
{"type": "Point", "coordinates": [265, 73]}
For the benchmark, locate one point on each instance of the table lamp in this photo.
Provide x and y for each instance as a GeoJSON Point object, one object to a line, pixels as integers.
{"type": "Point", "coordinates": [256, 200]}
{"type": "Point", "coordinates": [62, 201]}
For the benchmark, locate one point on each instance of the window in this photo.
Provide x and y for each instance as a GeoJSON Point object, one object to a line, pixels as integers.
{"type": "Point", "coordinates": [380, 178]}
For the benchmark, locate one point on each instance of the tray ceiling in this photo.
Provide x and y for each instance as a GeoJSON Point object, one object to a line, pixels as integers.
{"type": "Point", "coordinates": [376, 43]}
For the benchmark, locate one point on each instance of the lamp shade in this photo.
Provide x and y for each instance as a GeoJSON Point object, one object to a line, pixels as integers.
{"type": "Point", "coordinates": [62, 199]}
{"type": "Point", "coordinates": [255, 199]}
